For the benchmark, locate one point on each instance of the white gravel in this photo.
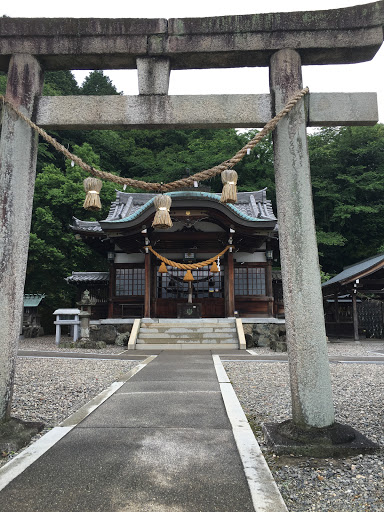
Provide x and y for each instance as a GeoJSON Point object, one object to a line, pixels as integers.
{"type": "Point", "coordinates": [327, 485]}
{"type": "Point", "coordinates": [50, 389]}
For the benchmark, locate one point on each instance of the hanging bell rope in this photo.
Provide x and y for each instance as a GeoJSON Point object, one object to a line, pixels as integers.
{"type": "Point", "coordinates": [188, 266]}
{"type": "Point", "coordinates": [162, 218]}
{"type": "Point", "coordinates": [229, 192]}
{"type": "Point", "coordinates": [175, 185]}
{"type": "Point", "coordinates": [92, 186]}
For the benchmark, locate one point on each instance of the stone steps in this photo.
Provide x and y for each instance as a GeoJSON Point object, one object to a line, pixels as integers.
{"type": "Point", "coordinates": [207, 333]}
{"type": "Point", "coordinates": [181, 331]}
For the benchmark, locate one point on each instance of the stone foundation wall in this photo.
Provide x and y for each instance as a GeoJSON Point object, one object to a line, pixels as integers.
{"type": "Point", "coordinates": [266, 335]}
{"type": "Point", "coordinates": [111, 334]}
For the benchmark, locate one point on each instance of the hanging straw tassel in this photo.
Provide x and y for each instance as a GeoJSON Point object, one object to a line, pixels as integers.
{"type": "Point", "coordinates": [188, 276]}
{"type": "Point", "coordinates": [162, 268]}
{"type": "Point", "coordinates": [162, 218]}
{"type": "Point", "coordinates": [92, 186]}
{"type": "Point", "coordinates": [214, 268]}
{"type": "Point", "coordinates": [229, 193]}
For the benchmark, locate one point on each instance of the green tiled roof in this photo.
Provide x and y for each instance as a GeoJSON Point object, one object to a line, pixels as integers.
{"type": "Point", "coordinates": [32, 300]}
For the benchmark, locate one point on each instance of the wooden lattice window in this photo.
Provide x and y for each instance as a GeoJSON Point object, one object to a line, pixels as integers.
{"type": "Point", "coordinates": [249, 280]}
{"type": "Point", "coordinates": [205, 285]}
{"type": "Point", "coordinates": [130, 281]}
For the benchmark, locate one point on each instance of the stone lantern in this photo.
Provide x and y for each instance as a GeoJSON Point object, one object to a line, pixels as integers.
{"type": "Point", "coordinates": [86, 304]}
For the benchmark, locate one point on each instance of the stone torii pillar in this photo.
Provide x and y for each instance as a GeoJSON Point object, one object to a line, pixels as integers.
{"type": "Point", "coordinates": [312, 430]}
{"type": "Point", "coordinates": [18, 153]}
{"type": "Point", "coordinates": [303, 302]}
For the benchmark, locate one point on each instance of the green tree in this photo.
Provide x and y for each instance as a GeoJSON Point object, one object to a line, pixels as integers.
{"type": "Point", "coordinates": [60, 83]}
{"type": "Point", "coordinates": [96, 83]}
{"type": "Point", "coordinates": [54, 253]}
{"type": "Point", "coordinates": [348, 182]}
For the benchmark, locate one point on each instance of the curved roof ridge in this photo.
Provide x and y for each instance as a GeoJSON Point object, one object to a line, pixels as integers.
{"type": "Point", "coordinates": [196, 194]}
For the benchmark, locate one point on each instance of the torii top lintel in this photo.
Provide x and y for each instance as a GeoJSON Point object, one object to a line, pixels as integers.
{"type": "Point", "coordinates": [337, 36]}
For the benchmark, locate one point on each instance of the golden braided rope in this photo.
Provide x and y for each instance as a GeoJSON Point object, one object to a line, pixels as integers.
{"type": "Point", "coordinates": [167, 187]}
{"type": "Point", "coordinates": [188, 266]}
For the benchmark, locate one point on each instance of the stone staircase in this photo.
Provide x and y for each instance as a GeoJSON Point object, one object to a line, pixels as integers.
{"type": "Point", "coordinates": [187, 334]}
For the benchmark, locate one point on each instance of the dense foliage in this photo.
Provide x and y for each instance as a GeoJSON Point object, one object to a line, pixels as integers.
{"type": "Point", "coordinates": [348, 183]}
{"type": "Point", "coordinates": [347, 175]}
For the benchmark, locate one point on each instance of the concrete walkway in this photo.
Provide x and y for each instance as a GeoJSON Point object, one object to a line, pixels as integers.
{"type": "Point", "coordinates": [163, 442]}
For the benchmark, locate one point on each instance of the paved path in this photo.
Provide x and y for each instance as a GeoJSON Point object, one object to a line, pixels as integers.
{"type": "Point", "coordinates": [227, 355]}
{"type": "Point", "coordinates": [161, 443]}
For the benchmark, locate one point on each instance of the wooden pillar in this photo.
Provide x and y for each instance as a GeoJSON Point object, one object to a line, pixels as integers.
{"type": "Point", "coordinates": [311, 391]}
{"type": "Point", "coordinates": [355, 317]}
{"type": "Point", "coordinates": [336, 307]}
{"type": "Point", "coordinates": [269, 288]}
{"type": "Point", "coordinates": [18, 153]}
{"type": "Point", "coordinates": [230, 285]}
{"type": "Point", "coordinates": [112, 287]}
{"type": "Point", "coordinates": [147, 298]}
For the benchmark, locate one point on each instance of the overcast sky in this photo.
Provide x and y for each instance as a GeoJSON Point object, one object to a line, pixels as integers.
{"type": "Point", "coordinates": [344, 78]}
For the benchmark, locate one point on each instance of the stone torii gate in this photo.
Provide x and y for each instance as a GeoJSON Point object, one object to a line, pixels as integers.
{"type": "Point", "coordinates": [282, 41]}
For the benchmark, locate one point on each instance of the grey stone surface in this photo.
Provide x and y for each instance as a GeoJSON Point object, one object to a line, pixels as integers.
{"type": "Point", "coordinates": [335, 36]}
{"type": "Point", "coordinates": [18, 152]}
{"type": "Point", "coordinates": [123, 112]}
{"type": "Point", "coordinates": [336, 440]}
{"type": "Point", "coordinates": [168, 385]}
{"type": "Point", "coordinates": [122, 339]}
{"type": "Point", "coordinates": [342, 109]}
{"type": "Point", "coordinates": [307, 350]}
{"type": "Point", "coordinates": [266, 335]}
{"type": "Point", "coordinates": [201, 372]}
{"type": "Point", "coordinates": [15, 433]}
{"type": "Point", "coordinates": [135, 470]}
{"type": "Point", "coordinates": [263, 340]}
{"type": "Point", "coordinates": [124, 328]}
{"type": "Point", "coordinates": [106, 333]}
{"type": "Point", "coordinates": [155, 446]}
{"type": "Point", "coordinates": [153, 74]}
{"type": "Point", "coordinates": [239, 110]}
{"type": "Point", "coordinates": [165, 409]}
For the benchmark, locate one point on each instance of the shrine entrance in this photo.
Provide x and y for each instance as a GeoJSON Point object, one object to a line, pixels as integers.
{"type": "Point", "coordinates": [207, 293]}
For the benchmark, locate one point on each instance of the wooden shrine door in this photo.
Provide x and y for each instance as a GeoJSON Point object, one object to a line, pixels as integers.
{"type": "Point", "coordinates": [207, 290]}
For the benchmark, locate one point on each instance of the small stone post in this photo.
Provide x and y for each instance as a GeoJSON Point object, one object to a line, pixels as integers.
{"type": "Point", "coordinates": [18, 153]}
{"type": "Point", "coordinates": [312, 404]}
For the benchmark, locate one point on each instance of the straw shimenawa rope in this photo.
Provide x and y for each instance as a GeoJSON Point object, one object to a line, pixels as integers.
{"type": "Point", "coordinates": [188, 266]}
{"type": "Point", "coordinates": [186, 182]}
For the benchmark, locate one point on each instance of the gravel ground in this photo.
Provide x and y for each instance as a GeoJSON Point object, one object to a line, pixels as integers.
{"type": "Point", "coordinates": [50, 390]}
{"type": "Point", "coordinates": [327, 485]}
{"type": "Point", "coordinates": [48, 343]}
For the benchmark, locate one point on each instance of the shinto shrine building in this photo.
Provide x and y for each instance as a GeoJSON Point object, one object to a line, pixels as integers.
{"type": "Point", "coordinates": [202, 228]}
